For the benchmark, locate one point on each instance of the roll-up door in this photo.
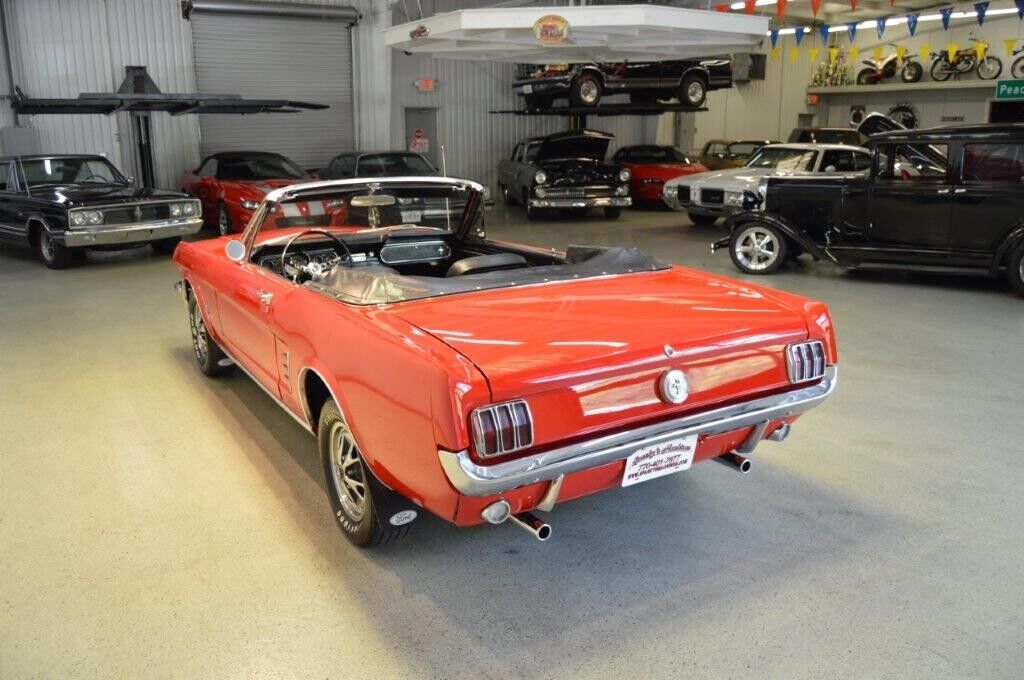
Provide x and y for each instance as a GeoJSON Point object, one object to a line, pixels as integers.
{"type": "Point", "coordinates": [267, 57]}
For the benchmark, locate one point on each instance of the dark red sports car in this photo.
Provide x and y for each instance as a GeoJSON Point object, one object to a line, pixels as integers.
{"type": "Point", "coordinates": [652, 165]}
{"type": "Point", "coordinates": [231, 184]}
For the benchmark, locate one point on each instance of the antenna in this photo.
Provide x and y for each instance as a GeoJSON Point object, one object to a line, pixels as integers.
{"type": "Point", "coordinates": [444, 164]}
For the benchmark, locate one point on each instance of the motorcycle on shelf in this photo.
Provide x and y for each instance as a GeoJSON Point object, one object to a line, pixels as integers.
{"type": "Point", "coordinates": [1017, 68]}
{"type": "Point", "coordinates": [964, 61]}
{"type": "Point", "coordinates": [878, 69]}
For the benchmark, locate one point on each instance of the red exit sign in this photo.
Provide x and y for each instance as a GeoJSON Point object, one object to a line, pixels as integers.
{"type": "Point", "coordinates": [426, 84]}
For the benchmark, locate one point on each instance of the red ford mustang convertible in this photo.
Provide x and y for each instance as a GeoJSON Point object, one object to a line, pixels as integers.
{"type": "Point", "coordinates": [480, 380]}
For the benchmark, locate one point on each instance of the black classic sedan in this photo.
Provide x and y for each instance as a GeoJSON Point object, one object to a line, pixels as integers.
{"type": "Point", "coordinates": [565, 170]}
{"type": "Point", "coordinates": [63, 204]}
{"type": "Point", "coordinates": [688, 80]}
{"type": "Point", "coordinates": [947, 200]}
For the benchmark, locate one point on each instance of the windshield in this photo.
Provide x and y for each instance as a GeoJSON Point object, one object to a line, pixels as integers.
{"type": "Point", "coordinates": [437, 206]}
{"type": "Point", "coordinates": [744, 149]}
{"type": "Point", "coordinates": [781, 158]}
{"type": "Point", "coordinates": [69, 171]}
{"type": "Point", "coordinates": [394, 165]}
{"type": "Point", "coordinates": [259, 168]}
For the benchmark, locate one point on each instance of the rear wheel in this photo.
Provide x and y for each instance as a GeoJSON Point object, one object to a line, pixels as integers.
{"type": "Point", "coordinates": [1015, 269]}
{"type": "Point", "coordinates": [867, 76]}
{"type": "Point", "coordinates": [210, 358]}
{"type": "Point", "coordinates": [585, 90]}
{"type": "Point", "coordinates": [53, 254]}
{"type": "Point", "coordinates": [349, 488]}
{"type": "Point", "coordinates": [989, 68]}
{"type": "Point", "coordinates": [612, 213]}
{"type": "Point", "coordinates": [941, 70]}
{"type": "Point", "coordinates": [702, 220]}
{"type": "Point", "coordinates": [757, 248]}
{"type": "Point", "coordinates": [1017, 69]}
{"type": "Point", "coordinates": [693, 90]}
{"type": "Point", "coordinates": [506, 195]}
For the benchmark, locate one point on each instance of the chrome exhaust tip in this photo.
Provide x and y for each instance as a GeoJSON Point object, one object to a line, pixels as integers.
{"type": "Point", "coordinates": [735, 461]}
{"type": "Point", "coordinates": [536, 526]}
{"type": "Point", "coordinates": [780, 433]}
{"type": "Point", "coordinates": [497, 512]}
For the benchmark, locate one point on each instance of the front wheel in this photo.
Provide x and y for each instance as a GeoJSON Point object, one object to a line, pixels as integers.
{"type": "Point", "coordinates": [1015, 270]}
{"type": "Point", "coordinates": [210, 358]}
{"type": "Point", "coordinates": [224, 225]}
{"type": "Point", "coordinates": [693, 91]}
{"type": "Point", "coordinates": [701, 220]}
{"type": "Point", "coordinates": [941, 70]}
{"type": "Point", "coordinates": [53, 254]}
{"type": "Point", "coordinates": [349, 488]}
{"type": "Point", "coordinates": [911, 72]}
{"type": "Point", "coordinates": [989, 68]}
{"type": "Point", "coordinates": [757, 248]}
{"type": "Point", "coordinates": [867, 76]}
{"type": "Point", "coordinates": [1017, 69]}
{"type": "Point", "coordinates": [585, 90]}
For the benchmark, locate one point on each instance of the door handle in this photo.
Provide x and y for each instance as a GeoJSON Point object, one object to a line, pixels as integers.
{"type": "Point", "coordinates": [265, 297]}
{"type": "Point", "coordinates": [942, 191]}
{"type": "Point", "coordinates": [959, 191]}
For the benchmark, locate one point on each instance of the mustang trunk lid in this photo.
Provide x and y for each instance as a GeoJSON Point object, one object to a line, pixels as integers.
{"type": "Point", "coordinates": [588, 354]}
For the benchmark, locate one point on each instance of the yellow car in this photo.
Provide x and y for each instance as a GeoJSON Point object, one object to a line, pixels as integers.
{"type": "Point", "coordinates": [720, 154]}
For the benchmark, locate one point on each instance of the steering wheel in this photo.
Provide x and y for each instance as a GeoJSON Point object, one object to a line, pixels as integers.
{"type": "Point", "coordinates": [284, 253]}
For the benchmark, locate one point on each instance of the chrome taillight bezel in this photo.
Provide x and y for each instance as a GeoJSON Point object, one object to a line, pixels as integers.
{"type": "Point", "coordinates": [519, 423]}
{"type": "Point", "coordinates": [805, 361]}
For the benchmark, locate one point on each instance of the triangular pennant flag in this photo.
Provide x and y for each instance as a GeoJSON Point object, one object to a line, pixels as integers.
{"type": "Point", "coordinates": [1008, 45]}
{"type": "Point", "coordinates": [775, 53]}
{"type": "Point", "coordinates": [980, 49]}
{"type": "Point", "coordinates": [851, 29]}
{"type": "Point", "coordinates": [813, 53]}
{"type": "Point", "coordinates": [945, 13]}
{"type": "Point", "coordinates": [951, 51]}
{"type": "Point", "coordinates": [815, 6]}
{"type": "Point", "coordinates": [854, 53]}
{"type": "Point", "coordinates": [880, 26]}
{"type": "Point", "coordinates": [833, 54]}
{"type": "Point", "coordinates": [799, 34]}
{"type": "Point", "coordinates": [912, 23]}
{"type": "Point", "coordinates": [877, 53]}
{"type": "Point", "coordinates": [853, 5]}
{"type": "Point", "coordinates": [901, 52]}
{"type": "Point", "coordinates": [794, 54]}
{"type": "Point", "coordinates": [1020, 8]}
{"type": "Point", "coordinates": [724, 7]}
{"type": "Point", "coordinates": [780, 9]}
{"type": "Point", "coordinates": [925, 51]}
{"type": "Point", "coordinates": [823, 32]}
{"type": "Point", "coordinates": [773, 36]}
{"type": "Point", "coordinates": [748, 6]}
{"type": "Point", "coordinates": [981, 8]}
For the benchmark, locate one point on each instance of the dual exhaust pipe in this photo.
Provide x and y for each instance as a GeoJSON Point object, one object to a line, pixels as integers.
{"type": "Point", "coordinates": [500, 511]}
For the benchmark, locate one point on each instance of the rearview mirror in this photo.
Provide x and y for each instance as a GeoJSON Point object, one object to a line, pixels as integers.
{"type": "Point", "coordinates": [235, 250]}
{"type": "Point", "coordinates": [372, 201]}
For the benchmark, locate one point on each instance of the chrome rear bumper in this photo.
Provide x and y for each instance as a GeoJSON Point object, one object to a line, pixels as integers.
{"type": "Point", "coordinates": [472, 479]}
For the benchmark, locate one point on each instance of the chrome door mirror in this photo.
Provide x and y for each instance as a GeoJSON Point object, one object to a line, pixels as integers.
{"type": "Point", "coordinates": [235, 250]}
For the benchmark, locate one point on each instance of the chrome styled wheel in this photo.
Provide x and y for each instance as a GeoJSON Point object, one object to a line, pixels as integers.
{"type": "Point", "coordinates": [347, 472]}
{"type": "Point", "coordinates": [589, 91]}
{"type": "Point", "coordinates": [695, 92]}
{"type": "Point", "coordinates": [200, 340]}
{"type": "Point", "coordinates": [46, 248]}
{"type": "Point", "coordinates": [757, 248]}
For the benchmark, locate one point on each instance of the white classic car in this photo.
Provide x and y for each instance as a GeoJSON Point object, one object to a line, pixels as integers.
{"type": "Point", "coordinates": [706, 196]}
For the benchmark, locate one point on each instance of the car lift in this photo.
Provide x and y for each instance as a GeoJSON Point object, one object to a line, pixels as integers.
{"type": "Point", "coordinates": [139, 96]}
{"type": "Point", "coordinates": [577, 115]}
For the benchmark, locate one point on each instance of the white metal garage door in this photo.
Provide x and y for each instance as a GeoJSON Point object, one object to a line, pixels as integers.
{"type": "Point", "coordinates": [261, 57]}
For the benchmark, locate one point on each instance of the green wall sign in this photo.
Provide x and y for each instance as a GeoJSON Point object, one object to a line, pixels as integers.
{"type": "Point", "coordinates": [1010, 89]}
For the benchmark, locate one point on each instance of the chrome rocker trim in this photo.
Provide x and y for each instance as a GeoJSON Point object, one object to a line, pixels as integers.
{"type": "Point", "coordinates": [472, 479]}
{"type": "Point", "coordinates": [131, 233]}
{"type": "Point", "coordinates": [607, 202]}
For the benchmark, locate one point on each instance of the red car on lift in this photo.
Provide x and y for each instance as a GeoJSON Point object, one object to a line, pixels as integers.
{"type": "Point", "coordinates": [651, 165]}
{"type": "Point", "coordinates": [481, 380]}
{"type": "Point", "coordinates": [231, 184]}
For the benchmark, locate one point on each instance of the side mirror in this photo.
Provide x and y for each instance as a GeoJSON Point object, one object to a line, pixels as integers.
{"type": "Point", "coordinates": [131, 179]}
{"type": "Point", "coordinates": [235, 250]}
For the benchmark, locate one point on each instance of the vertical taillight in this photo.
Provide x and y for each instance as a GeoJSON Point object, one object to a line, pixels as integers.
{"type": "Point", "coordinates": [502, 428]}
{"type": "Point", "coordinates": [805, 361]}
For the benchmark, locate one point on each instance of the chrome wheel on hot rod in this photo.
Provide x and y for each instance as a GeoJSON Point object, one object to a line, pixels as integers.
{"type": "Point", "coordinates": [757, 249]}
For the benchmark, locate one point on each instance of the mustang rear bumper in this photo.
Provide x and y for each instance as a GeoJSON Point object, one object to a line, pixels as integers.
{"type": "Point", "coordinates": [131, 233]}
{"type": "Point", "coordinates": [472, 479]}
{"type": "Point", "coordinates": [607, 202]}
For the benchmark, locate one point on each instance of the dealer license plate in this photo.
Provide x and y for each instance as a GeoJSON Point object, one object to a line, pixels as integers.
{"type": "Point", "coordinates": [527, 89]}
{"type": "Point", "coordinates": [659, 460]}
{"type": "Point", "coordinates": [410, 216]}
